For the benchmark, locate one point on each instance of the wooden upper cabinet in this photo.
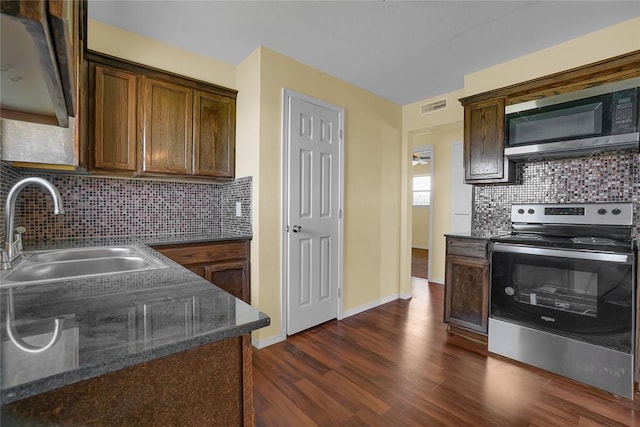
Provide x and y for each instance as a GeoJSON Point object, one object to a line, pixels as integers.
{"type": "Point", "coordinates": [484, 160]}
{"type": "Point", "coordinates": [167, 118]}
{"type": "Point", "coordinates": [114, 119]}
{"type": "Point", "coordinates": [214, 135]}
{"type": "Point", "coordinates": [149, 122]}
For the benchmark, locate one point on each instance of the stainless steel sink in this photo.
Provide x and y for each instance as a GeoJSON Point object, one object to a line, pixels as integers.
{"type": "Point", "coordinates": [82, 253]}
{"type": "Point", "coordinates": [38, 267]}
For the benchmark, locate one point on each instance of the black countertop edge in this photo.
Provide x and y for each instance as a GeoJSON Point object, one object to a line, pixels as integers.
{"type": "Point", "coordinates": [472, 235]}
{"type": "Point", "coordinates": [71, 377]}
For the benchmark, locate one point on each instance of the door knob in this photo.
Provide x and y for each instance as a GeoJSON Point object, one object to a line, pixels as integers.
{"type": "Point", "coordinates": [296, 228]}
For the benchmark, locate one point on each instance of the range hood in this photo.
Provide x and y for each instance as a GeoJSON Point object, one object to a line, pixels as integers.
{"type": "Point", "coordinates": [34, 143]}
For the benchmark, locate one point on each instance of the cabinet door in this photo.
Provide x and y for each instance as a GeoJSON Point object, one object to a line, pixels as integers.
{"type": "Point", "coordinates": [214, 135]}
{"type": "Point", "coordinates": [232, 277]}
{"type": "Point", "coordinates": [484, 160]}
{"type": "Point", "coordinates": [467, 293]}
{"type": "Point", "coordinates": [166, 118]}
{"type": "Point", "coordinates": [199, 270]}
{"type": "Point", "coordinates": [114, 113]}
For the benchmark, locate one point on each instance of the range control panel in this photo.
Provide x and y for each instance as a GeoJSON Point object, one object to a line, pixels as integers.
{"type": "Point", "coordinates": [575, 213]}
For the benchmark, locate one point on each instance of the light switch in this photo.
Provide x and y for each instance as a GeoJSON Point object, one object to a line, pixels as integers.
{"type": "Point", "coordinates": [238, 209]}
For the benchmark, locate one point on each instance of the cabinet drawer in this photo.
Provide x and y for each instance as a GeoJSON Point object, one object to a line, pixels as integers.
{"type": "Point", "coordinates": [467, 247]}
{"type": "Point", "coordinates": [205, 253]}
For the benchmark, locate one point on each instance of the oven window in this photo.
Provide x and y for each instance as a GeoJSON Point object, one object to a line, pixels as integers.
{"type": "Point", "coordinates": [556, 288]}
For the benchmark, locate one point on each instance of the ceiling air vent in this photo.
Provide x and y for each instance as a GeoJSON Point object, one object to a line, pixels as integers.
{"type": "Point", "coordinates": [440, 104]}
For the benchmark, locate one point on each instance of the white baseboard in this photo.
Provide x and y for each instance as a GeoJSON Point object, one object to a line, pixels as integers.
{"type": "Point", "coordinates": [369, 306]}
{"type": "Point", "coordinates": [269, 341]}
{"type": "Point", "coordinates": [405, 296]}
{"type": "Point", "coordinates": [438, 281]}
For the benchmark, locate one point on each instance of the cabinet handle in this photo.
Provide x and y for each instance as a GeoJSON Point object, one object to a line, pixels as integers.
{"type": "Point", "coordinates": [296, 228]}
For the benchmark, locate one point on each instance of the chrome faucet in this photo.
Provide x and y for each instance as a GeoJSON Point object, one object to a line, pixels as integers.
{"type": "Point", "coordinates": [13, 245]}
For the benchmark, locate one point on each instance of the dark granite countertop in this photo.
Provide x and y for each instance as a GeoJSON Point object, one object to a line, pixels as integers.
{"type": "Point", "coordinates": [111, 322]}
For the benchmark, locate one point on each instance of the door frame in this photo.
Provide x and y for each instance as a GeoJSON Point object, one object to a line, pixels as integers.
{"type": "Point", "coordinates": [287, 94]}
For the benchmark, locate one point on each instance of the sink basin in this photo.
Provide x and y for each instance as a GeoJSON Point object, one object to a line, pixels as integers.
{"type": "Point", "coordinates": [83, 253]}
{"type": "Point", "coordinates": [38, 267]}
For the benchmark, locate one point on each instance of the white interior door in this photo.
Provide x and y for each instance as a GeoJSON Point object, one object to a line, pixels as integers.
{"type": "Point", "coordinates": [461, 193]}
{"type": "Point", "coordinates": [313, 212]}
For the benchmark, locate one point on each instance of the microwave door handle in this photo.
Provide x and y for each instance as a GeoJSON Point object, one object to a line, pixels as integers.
{"type": "Point", "coordinates": [590, 256]}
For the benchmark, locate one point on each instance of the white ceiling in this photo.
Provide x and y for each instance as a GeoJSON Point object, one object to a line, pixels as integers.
{"type": "Point", "coordinates": [403, 51]}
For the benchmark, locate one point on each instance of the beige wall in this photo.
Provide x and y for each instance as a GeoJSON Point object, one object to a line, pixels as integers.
{"type": "Point", "coordinates": [420, 221]}
{"type": "Point", "coordinates": [420, 228]}
{"type": "Point", "coordinates": [609, 42]}
{"type": "Point", "coordinates": [144, 50]}
{"type": "Point", "coordinates": [247, 152]}
{"type": "Point", "coordinates": [372, 178]}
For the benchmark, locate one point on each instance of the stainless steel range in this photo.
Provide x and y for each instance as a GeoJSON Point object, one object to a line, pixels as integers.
{"type": "Point", "coordinates": [563, 292]}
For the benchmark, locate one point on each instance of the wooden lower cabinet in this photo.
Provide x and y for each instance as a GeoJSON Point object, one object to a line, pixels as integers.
{"type": "Point", "coordinates": [210, 385]}
{"type": "Point", "coordinates": [467, 287]}
{"type": "Point", "coordinates": [225, 264]}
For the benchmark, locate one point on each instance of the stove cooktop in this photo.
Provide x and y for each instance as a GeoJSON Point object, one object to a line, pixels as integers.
{"type": "Point", "coordinates": [590, 243]}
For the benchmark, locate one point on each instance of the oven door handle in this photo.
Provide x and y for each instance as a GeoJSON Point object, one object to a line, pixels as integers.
{"type": "Point", "coordinates": [591, 256]}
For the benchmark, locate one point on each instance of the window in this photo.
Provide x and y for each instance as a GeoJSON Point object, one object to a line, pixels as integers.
{"type": "Point", "coordinates": [421, 190]}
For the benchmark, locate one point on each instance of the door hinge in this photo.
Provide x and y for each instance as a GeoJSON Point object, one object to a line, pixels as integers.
{"type": "Point", "coordinates": [339, 213]}
{"type": "Point", "coordinates": [339, 293]}
{"type": "Point", "coordinates": [287, 228]}
{"type": "Point", "coordinates": [340, 133]}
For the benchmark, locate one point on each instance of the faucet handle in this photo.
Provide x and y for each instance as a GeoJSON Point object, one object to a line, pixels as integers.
{"type": "Point", "coordinates": [17, 238]}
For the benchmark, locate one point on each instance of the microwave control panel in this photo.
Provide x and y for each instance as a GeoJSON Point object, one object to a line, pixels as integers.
{"type": "Point", "coordinates": [625, 111]}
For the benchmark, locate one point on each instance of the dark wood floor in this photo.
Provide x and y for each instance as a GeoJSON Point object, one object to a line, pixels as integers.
{"type": "Point", "coordinates": [420, 263]}
{"type": "Point", "coordinates": [393, 366]}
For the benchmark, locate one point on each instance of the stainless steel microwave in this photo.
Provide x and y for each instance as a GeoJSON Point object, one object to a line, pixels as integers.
{"type": "Point", "coordinates": [602, 118]}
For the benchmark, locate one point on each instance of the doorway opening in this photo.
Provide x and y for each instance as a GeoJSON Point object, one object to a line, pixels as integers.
{"type": "Point", "coordinates": [421, 187]}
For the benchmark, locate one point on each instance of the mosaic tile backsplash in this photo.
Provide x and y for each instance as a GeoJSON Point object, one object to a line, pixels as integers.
{"type": "Point", "coordinates": [104, 207]}
{"type": "Point", "coordinates": [609, 178]}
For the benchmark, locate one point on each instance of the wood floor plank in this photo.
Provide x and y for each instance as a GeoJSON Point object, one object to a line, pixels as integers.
{"type": "Point", "coordinates": [395, 366]}
{"type": "Point", "coordinates": [275, 408]}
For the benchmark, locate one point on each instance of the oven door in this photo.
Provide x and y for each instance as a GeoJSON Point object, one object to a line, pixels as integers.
{"type": "Point", "coordinates": [583, 295]}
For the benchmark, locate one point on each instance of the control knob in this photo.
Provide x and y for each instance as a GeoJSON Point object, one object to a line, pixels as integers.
{"type": "Point", "coordinates": [520, 211]}
{"type": "Point", "coordinates": [616, 211]}
{"type": "Point", "coordinates": [531, 211]}
{"type": "Point", "coordinates": [602, 211]}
